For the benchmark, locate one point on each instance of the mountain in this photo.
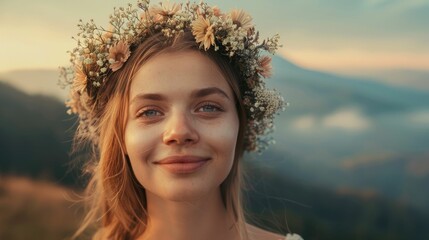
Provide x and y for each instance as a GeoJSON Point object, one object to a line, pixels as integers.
{"type": "Point", "coordinates": [415, 78]}
{"type": "Point", "coordinates": [321, 92]}
{"type": "Point", "coordinates": [35, 136]}
{"type": "Point", "coordinates": [348, 132]}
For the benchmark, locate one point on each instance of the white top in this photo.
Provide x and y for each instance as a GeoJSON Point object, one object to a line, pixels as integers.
{"type": "Point", "coordinates": [293, 236]}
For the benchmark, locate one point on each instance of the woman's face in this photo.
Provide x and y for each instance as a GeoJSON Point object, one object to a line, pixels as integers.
{"type": "Point", "coordinates": [182, 126]}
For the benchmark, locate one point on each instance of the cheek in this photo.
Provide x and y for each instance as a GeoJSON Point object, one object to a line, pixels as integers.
{"type": "Point", "coordinates": [223, 137]}
{"type": "Point", "coordinates": [139, 143]}
{"type": "Point", "coordinates": [224, 141]}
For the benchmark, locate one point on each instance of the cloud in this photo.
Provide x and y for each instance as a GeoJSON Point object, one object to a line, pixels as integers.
{"type": "Point", "coordinates": [365, 160]}
{"type": "Point", "coordinates": [348, 119]}
{"type": "Point", "coordinates": [304, 122]}
{"type": "Point", "coordinates": [419, 117]}
{"type": "Point", "coordinates": [348, 59]}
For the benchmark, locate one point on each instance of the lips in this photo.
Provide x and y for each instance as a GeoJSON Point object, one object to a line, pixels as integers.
{"type": "Point", "coordinates": [183, 164]}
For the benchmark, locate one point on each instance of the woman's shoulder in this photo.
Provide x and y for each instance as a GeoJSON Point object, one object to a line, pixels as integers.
{"type": "Point", "coordinates": [256, 233]}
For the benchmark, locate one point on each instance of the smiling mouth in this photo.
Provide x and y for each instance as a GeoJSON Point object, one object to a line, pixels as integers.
{"type": "Point", "coordinates": [183, 164]}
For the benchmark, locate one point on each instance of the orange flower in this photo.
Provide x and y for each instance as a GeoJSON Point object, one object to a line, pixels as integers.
{"type": "Point", "coordinates": [152, 16]}
{"type": "Point", "coordinates": [216, 11]}
{"type": "Point", "coordinates": [241, 19]}
{"type": "Point", "coordinates": [118, 55]}
{"type": "Point", "coordinates": [80, 79]}
{"type": "Point", "coordinates": [203, 32]}
{"type": "Point", "coordinates": [265, 66]}
{"type": "Point", "coordinates": [166, 9]}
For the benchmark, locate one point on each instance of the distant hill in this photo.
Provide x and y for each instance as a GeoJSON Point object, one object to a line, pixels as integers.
{"type": "Point", "coordinates": [319, 92]}
{"type": "Point", "coordinates": [349, 132]}
{"type": "Point", "coordinates": [35, 136]}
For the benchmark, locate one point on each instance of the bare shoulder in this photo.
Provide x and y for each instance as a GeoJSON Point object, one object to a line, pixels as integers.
{"type": "Point", "coordinates": [256, 233]}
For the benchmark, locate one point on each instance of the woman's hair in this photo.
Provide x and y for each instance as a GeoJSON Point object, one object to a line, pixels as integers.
{"type": "Point", "coordinates": [117, 201]}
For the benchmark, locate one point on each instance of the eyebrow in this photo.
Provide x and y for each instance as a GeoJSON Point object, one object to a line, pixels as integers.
{"type": "Point", "coordinates": [208, 91]}
{"type": "Point", "coordinates": [195, 94]}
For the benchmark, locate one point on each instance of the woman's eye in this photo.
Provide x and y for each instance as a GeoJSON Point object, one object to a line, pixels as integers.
{"type": "Point", "coordinates": [149, 113]}
{"type": "Point", "coordinates": [208, 107]}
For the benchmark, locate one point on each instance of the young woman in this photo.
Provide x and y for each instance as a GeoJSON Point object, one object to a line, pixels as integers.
{"type": "Point", "coordinates": [170, 97]}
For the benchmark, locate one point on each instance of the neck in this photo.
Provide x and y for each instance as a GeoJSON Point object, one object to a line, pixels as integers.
{"type": "Point", "coordinates": [203, 218]}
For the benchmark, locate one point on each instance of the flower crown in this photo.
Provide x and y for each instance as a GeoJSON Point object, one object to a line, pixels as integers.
{"type": "Point", "coordinates": [100, 52]}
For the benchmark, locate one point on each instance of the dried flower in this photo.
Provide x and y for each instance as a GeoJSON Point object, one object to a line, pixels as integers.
{"type": "Point", "coordinates": [216, 11]}
{"type": "Point", "coordinates": [118, 55]}
{"type": "Point", "coordinates": [265, 66]}
{"type": "Point", "coordinates": [241, 19]}
{"type": "Point", "coordinates": [203, 32]}
{"type": "Point", "coordinates": [166, 9]}
{"type": "Point", "coordinates": [152, 16]}
{"type": "Point", "coordinates": [80, 81]}
{"type": "Point", "coordinates": [143, 4]}
{"type": "Point", "coordinates": [107, 36]}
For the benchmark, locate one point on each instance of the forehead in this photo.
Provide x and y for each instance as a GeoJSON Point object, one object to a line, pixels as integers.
{"type": "Point", "coordinates": [178, 73]}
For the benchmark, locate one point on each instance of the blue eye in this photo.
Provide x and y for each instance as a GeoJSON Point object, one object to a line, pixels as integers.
{"type": "Point", "coordinates": [209, 107]}
{"type": "Point", "coordinates": [149, 113]}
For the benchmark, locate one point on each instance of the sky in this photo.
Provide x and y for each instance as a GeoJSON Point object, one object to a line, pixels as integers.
{"type": "Point", "coordinates": [339, 36]}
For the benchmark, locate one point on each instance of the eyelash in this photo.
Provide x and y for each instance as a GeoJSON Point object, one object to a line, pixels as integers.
{"type": "Point", "coordinates": [205, 104]}
{"type": "Point", "coordinates": [217, 107]}
{"type": "Point", "coordinates": [145, 111]}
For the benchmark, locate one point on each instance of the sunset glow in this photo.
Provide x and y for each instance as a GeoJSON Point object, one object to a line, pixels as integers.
{"type": "Point", "coordinates": [336, 37]}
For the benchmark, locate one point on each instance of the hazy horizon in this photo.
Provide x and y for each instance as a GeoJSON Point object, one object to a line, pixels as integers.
{"type": "Point", "coordinates": [354, 37]}
{"type": "Point", "coordinates": [31, 80]}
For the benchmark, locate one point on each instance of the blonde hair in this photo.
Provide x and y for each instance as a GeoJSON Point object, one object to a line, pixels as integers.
{"type": "Point", "coordinates": [116, 200]}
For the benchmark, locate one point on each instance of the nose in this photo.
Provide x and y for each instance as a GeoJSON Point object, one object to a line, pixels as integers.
{"type": "Point", "coordinates": [179, 130]}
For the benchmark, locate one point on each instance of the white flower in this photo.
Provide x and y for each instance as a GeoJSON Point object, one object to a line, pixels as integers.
{"type": "Point", "coordinates": [87, 61]}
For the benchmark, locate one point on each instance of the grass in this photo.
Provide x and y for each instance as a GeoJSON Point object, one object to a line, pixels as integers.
{"type": "Point", "coordinates": [32, 209]}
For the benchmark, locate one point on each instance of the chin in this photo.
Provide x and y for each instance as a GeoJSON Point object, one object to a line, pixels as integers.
{"type": "Point", "coordinates": [188, 193]}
